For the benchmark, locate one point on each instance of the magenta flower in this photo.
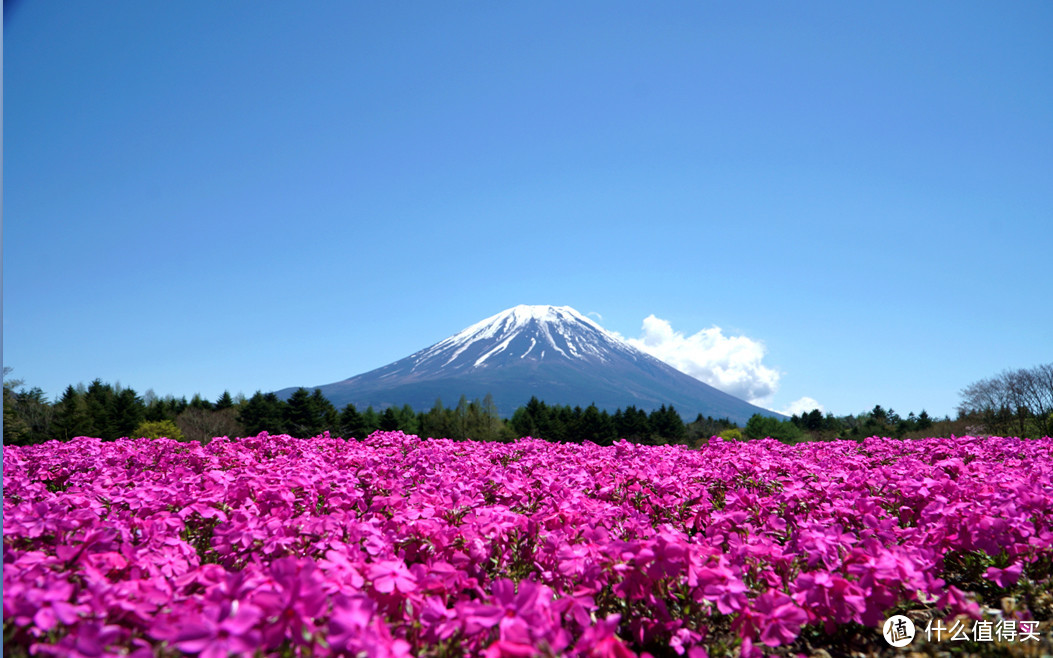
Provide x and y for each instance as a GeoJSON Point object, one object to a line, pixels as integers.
{"type": "Point", "coordinates": [355, 628]}
{"type": "Point", "coordinates": [1005, 577]}
{"type": "Point", "coordinates": [391, 575]}
{"type": "Point", "coordinates": [780, 620]}
{"type": "Point", "coordinates": [721, 586]}
{"type": "Point", "coordinates": [212, 637]}
{"type": "Point", "coordinates": [506, 649]}
{"type": "Point", "coordinates": [395, 545]}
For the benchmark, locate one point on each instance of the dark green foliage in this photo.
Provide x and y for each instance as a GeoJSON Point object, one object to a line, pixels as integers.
{"type": "Point", "coordinates": [666, 425]}
{"type": "Point", "coordinates": [352, 424]}
{"type": "Point", "coordinates": [759, 427]}
{"type": "Point", "coordinates": [224, 402]}
{"type": "Point", "coordinates": [700, 430]}
{"type": "Point", "coordinates": [593, 425]}
{"type": "Point", "coordinates": [30, 415]}
{"type": "Point", "coordinates": [308, 414]}
{"type": "Point", "coordinates": [437, 422]}
{"type": "Point", "coordinates": [632, 424]}
{"type": "Point", "coordinates": [389, 422]}
{"type": "Point", "coordinates": [263, 412]}
{"type": "Point", "coordinates": [126, 413]}
{"type": "Point", "coordinates": [198, 402]}
{"type": "Point", "coordinates": [99, 401]}
{"type": "Point", "coordinates": [370, 421]}
{"type": "Point", "coordinates": [71, 416]}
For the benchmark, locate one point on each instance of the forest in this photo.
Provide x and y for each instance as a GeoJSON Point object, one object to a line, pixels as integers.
{"type": "Point", "coordinates": [1015, 402]}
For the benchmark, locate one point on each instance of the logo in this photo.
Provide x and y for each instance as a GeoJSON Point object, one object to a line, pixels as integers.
{"type": "Point", "coordinates": [898, 631]}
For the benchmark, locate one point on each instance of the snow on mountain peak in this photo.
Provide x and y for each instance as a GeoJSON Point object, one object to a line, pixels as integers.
{"type": "Point", "coordinates": [559, 329]}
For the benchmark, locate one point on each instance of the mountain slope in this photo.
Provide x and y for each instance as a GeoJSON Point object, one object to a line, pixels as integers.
{"type": "Point", "coordinates": [552, 352]}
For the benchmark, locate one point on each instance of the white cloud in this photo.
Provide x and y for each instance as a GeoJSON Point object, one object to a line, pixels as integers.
{"type": "Point", "coordinates": [732, 364]}
{"type": "Point", "coordinates": [802, 406]}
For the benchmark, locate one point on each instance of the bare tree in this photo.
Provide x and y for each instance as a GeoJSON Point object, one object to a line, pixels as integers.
{"type": "Point", "coordinates": [1013, 395]}
{"type": "Point", "coordinates": [202, 425]}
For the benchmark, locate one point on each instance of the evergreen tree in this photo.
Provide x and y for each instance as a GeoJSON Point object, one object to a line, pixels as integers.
{"type": "Point", "coordinates": [632, 425]}
{"type": "Point", "coordinates": [491, 419]}
{"type": "Point", "coordinates": [263, 413]}
{"type": "Point", "coordinates": [460, 419]}
{"type": "Point", "coordinates": [198, 402]}
{"type": "Point", "coordinates": [126, 413]}
{"type": "Point", "coordinates": [527, 420]}
{"type": "Point", "coordinates": [389, 421]}
{"type": "Point", "coordinates": [224, 402]}
{"type": "Point", "coordinates": [370, 421]}
{"type": "Point", "coordinates": [924, 421]}
{"type": "Point", "coordinates": [595, 426]}
{"type": "Point", "coordinates": [437, 422]}
{"type": "Point", "coordinates": [309, 414]}
{"type": "Point", "coordinates": [329, 418]}
{"type": "Point", "coordinates": [71, 416]}
{"type": "Point", "coordinates": [352, 424]}
{"type": "Point", "coordinates": [667, 425]}
{"type": "Point", "coordinates": [407, 420]}
{"type": "Point", "coordinates": [158, 409]}
{"type": "Point", "coordinates": [99, 400]}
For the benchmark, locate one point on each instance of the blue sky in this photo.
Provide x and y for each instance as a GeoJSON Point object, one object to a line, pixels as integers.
{"type": "Point", "coordinates": [847, 202]}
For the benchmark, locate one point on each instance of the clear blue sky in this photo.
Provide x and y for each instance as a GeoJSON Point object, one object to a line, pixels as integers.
{"type": "Point", "coordinates": [203, 196]}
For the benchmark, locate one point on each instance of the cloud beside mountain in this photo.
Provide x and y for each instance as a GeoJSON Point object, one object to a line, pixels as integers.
{"type": "Point", "coordinates": [733, 364]}
{"type": "Point", "coordinates": [802, 406]}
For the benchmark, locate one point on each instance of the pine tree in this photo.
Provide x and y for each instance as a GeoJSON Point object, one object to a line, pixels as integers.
{"type": "Point", "coordinates": [351, 423]}
{"type": "Point", "coordinates": [263, 413]}
{"type": "Point", "coordinates": [491, 419]}
{"type": "Point", "coordinates": [370, 421]}
{"type": "Point", "coordinates": [224, 402]}
{"type": "Point", "coordinates": [99, 399]}
{"type": "Point", "coordinates": [389, 422]}
{"type": "Point", "coordinates": [126, 413]}
{"type": "Point", "coordinates": [324, 411]}
{"type": "Point", "coordinates": [304, 415]}
{"type": "Point", "coordinates": [460, 419]}
{"type": "Point", "coordinates": [71, 416]}
{"type": "Point", "coordinates": [407, 418]}
{"type": "Point", "coordinates": [198, 402]}
{"type": "Point", "coordinates": [436, 422]}
{"type": "Point", "coordinates": [634, 425]}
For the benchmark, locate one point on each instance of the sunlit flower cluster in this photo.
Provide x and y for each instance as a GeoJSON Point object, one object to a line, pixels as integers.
{"type": "Point", "coordinates": [398, 546]}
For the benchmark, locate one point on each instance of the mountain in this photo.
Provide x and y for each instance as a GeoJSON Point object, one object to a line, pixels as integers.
{"type": "Point", "coordinates": [552, 352]}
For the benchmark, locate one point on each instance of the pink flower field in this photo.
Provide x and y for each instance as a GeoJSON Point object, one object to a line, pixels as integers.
{"type": "Point", "coordinates": [399, 546]}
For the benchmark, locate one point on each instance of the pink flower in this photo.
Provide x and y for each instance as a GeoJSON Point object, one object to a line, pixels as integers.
{"type": "Point", "coordinates": [356, 628]}
{"type": "Point", "coordinates": [506, 649]}
{"type": "Point", "coordinates": [721, 586]}
{"type": "Point", "coordinates": [780, 620]}
{"type": "Point", "coordinates": [212, 637]}
{"type": "Point", "coordinates": [600, 640]}
{"type": "Point", "coordinates": [1005, 577]}
{"type": "Point", "coordinates": [391, 575]}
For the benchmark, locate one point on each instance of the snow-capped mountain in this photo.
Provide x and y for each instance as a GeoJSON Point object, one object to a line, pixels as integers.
{"type": "Point", "coordinates": [552, 352]}
{"type": "Point", "coordinates": [523, 332]}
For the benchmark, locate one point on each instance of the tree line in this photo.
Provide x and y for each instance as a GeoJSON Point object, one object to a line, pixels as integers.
{"type": "Point", "coordinates": [110, 411]}
{"type": "Point", "coordinates": [1017, 402]}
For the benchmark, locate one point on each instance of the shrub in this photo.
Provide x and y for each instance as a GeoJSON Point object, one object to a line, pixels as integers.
{"type": "Point", "coordinates": [157, 429]}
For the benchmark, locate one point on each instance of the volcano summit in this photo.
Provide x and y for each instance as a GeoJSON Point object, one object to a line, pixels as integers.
{"type": "Point", "coordinates": [552, 352]}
